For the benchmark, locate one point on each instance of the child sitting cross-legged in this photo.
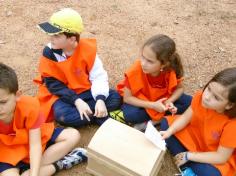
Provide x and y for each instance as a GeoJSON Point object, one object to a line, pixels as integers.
{"type": "Point", "coordinates": [203, 137]}
{"type": "Point", "coordinates": [28, 145]}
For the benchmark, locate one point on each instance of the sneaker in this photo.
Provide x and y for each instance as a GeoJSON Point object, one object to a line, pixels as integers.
{"type": "Point", "coordinates": [188, 172]}
{"type": "Point", "coordinates": [76, 156]}
{"type": "Point", "coordinates": [117, 115]}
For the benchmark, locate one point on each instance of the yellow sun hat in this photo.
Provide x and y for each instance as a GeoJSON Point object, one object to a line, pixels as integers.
{"type": "Point", "coordinates": [65, 20]}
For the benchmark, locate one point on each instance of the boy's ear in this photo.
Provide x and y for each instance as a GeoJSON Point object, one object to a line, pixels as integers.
{"type": "Point", "coordinates": [229, 106]}
{"type": "Point", "coordinates": [18, 94]}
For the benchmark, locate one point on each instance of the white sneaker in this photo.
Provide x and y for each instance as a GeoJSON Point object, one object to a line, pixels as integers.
{"type": "Point", "coordinates": [76, 156]}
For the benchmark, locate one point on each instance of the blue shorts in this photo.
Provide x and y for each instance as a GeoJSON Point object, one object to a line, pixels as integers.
{"type": "Point", "coordinates": [25, 166]}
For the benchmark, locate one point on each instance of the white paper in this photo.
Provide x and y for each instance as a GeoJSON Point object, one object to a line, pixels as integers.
{"type": "Point", "coordinates": [154, 136]}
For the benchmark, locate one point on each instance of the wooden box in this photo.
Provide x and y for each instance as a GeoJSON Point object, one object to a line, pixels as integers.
{"type": "Point", "coordinates": [119, 150]}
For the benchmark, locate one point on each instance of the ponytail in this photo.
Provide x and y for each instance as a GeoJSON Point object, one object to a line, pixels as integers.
{"type": "Point", "coordinates": [232, 98]}
{"type": "Point", "coordinates": [176, 65]}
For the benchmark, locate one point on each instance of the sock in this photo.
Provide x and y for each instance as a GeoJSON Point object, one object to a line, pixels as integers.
{"type": "Point", "coordinates": [57, 168]}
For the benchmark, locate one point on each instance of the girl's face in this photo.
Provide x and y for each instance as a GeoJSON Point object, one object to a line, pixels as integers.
{"type": "Point", "coordinates": [149, 63]}
{"type": "Point", "coordinates": [60, 41]}
{"type": "Point", "coordinates": [215, 97]}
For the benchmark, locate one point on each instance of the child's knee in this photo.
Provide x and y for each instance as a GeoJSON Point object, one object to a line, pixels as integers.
{"type": "Point", "coordinates": [58, 114]}
{"type": "Point", "coordinates": [11, 171]}
{"type": "Point", "coordinates": [164, 124]}
{"type": "Point", "coordinates": [69, 135]}
{"type": "Point", "coordinates": [73, 135]}
{"type": "Point", "coordinates": [185, 99]}
{"type": "Point", "coordinates": [113, 101]}
{"type": "Point", "coordinates": [131, 114]}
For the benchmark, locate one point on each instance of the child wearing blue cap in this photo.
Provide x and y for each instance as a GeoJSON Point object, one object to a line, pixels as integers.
{"type": "Point", "coordinates": [73, 85]}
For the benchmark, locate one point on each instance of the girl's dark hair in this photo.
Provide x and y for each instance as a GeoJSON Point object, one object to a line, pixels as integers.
{"type": "Point", "coordinates": [227, 78]}
{"type": "Point", "coordinates": [8, 79]}
{"type": "Point", "coordinates": [164, 48]}
{"type": "Point", "coordinates": [68, 35]}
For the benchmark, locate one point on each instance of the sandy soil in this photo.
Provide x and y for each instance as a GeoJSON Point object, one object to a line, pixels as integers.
{"type": "Point", "coordinates": [204, 32]}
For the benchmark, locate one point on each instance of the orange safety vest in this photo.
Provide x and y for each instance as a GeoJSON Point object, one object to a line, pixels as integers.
{"type": "Point", "coordinates": [14, 147]}
{"type": "Point", "coordinates": [73, 72]}
{"type": "Point", "coordinates": [207, 130]}
{"type": "Point", "coordinates": [141, 88]}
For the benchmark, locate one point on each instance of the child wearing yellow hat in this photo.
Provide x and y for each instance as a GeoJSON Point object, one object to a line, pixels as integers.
{"type": "Point", "coordinates": [73, 85]}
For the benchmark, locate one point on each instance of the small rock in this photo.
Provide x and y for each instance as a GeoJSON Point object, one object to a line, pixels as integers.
{"type": "Point", "coordinates": [93, 17]}
{"type": "Point", "coordinates": [221, 49]}
{"type": "Point", "coordinates": [176, 22]}
{"type": "Point", "coordinates": [9, 13]}
{"type": "Point", "coordinates": [93, 32]}
{"type": "Point", "coordinates": [200, 85]}
{"type": "Point", "coordinates": [154, 24]}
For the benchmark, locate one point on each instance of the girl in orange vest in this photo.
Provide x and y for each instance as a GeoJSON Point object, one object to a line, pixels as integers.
{"type": "Point", "coordinates": [153, 85]}
{"type": "Point", "coordinates": [203, 138]}
{"type": "Point", "coordinates": [27, 144]}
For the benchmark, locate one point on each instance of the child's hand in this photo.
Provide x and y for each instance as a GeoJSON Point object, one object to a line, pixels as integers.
{"type": "Point", "coordinates": [181, 158]}
{"type": "Point", "coordinates": [83, 108]}
{"type": "Point", "coordinates": [171, 107]}
{"type": "Point", "coordinates": [100, 109]}
{"type": "Point", "coordinates": [159, 105]}
{"type": "Point", "coordinates": [165, 134]}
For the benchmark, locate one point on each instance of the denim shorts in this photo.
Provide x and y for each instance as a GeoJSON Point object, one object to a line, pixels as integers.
{"type": "Point", "coordinates": [25, 166]}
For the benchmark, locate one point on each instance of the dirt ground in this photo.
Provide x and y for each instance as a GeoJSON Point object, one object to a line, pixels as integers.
{"type": "Point", "coordinates": [204, 32]}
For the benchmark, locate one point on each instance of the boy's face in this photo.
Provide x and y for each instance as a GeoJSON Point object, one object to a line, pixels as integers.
{"type": "Point", "coordinates": [60, 41]}
{"type": "Point", "coordinates": [7, 105]}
